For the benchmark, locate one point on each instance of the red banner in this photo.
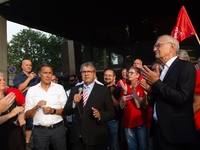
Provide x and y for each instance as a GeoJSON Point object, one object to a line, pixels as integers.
{"type": "Point", "coordinates": [183, 28]}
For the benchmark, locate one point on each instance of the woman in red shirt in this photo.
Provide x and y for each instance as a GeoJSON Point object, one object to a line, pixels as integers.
{"type": "Point", "coordinates": [133, 101]}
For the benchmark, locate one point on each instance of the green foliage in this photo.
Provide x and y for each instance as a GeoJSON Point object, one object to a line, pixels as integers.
{"type": "Point", "coordinates": [35, 46]}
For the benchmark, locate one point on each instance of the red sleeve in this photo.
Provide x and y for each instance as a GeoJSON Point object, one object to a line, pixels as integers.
{"type": "Point", "coordinates": [19, 96]}
{"type": "Point", "coordinates": [197, 85]}
{"type": "Point", "coordinates": [118, 84]}
{"type": "Point", "coordinates": [142, 92]}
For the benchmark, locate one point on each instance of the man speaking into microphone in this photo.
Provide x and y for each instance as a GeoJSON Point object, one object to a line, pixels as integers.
{"type": "Point", "coordinates": [91, 110]}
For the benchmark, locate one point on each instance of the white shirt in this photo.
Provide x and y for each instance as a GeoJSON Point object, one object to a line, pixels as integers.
{"type": "Point", "coordinates": [162, 76]}
{"type": "Point", "coordinates": [55, 97]}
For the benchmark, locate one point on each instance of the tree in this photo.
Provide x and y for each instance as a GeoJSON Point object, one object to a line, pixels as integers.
{"type": "Point", "coordinates": [35, 46]}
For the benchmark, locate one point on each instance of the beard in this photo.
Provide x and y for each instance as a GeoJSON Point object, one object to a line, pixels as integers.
{"type": "Point", "coordinates": [107, 83]}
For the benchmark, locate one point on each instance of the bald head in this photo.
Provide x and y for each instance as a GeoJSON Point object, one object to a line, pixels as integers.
{"type": "Point", "coordinates": [137, 63]}
{"type": "Point", "coordinates": [26, 61]}
{"type": "Point", "coordinates": [26, 66]}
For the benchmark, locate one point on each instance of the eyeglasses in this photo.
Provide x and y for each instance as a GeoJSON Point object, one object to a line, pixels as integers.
{"type": "Point", "coordinates": [72, 80]}
{"type": "Point", "coordinates": [131, 73]}
{"type": "Point", "coordinates": [157, 45]}
{"type": "Point", "coordinates": [108, 75]}
{"type": "Point", "coordinates": [87, 72]}
{"type": "Point", "coordinates": [54, 80]}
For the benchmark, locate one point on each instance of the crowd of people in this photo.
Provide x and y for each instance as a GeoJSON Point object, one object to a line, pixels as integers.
{"type": "Point", "coordinates": [148, 109]}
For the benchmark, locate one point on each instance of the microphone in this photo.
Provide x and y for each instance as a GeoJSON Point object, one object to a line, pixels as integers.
{"type": "Point", "coordinates": [80, 90]}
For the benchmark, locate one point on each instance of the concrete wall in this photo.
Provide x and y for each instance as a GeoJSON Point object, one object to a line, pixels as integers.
{"type": "Point", "coordinates": [3, 46]}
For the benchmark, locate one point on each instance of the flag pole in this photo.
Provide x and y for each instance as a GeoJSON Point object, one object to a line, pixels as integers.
{"type": "Point", "coordinates": [197, 38]}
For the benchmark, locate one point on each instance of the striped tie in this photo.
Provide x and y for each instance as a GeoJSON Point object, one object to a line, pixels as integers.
{"type": "Point", "coordinates": [85, 96]}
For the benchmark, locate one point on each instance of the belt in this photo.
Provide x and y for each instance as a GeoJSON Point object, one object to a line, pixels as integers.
{"type": "Point", "coordinates": [49, 126]}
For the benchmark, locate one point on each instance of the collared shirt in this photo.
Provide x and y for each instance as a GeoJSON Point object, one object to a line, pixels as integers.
{"type": "Point", "coordinates": [162, 76]}
{"type": "Point", "coordinates": [94, 80]}
{"type": "Point", "coordinates": [89, 90]}
{"type": "Point", "coordinates": [20, 78]}
{"type": "Point", "coordinates": [55, 97]}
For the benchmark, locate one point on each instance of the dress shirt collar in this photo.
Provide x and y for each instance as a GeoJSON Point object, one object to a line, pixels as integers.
{"type": "Point", "coordinates": [52, 84]}
{"type": "Point", "coordinates": [23, 74]}
{"type": "Point", "coordinates": [169, 63]}
{"type": "Point", "coordinates": [91, 85]}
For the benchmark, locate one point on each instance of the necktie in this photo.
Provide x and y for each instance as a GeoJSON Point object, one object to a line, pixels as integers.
{"type": "Point", "coordinates": [85, 96]}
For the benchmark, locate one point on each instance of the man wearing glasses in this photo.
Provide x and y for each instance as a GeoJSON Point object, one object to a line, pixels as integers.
{"type": "Point", "coordinates": [109, 81]}
{"type": "Point", "coordinates": [172, 125]}
{"type": "Point", "coordinates": [91, 111]}
{"type": "Point", "coordinates": [54, 78]}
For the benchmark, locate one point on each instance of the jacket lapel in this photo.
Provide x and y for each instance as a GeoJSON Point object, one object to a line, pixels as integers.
{"type": "Point", "coordinates": [170, 68]}
{"type": "Point", "coordinates": [93, 93]}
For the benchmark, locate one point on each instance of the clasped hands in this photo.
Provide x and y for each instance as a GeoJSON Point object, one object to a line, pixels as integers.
{"type": "Point", "coordinates": [46, 110]}
{"type": "Point", "coordinates": [150, 76]}
{"type": "Point", "coordinates": [96, 113]}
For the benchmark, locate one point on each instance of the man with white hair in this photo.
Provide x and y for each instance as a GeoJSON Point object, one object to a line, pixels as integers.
{"type": "Point", "coordinates": [172, 125]}
{"type": "Point", "coordinates": [183, 54]}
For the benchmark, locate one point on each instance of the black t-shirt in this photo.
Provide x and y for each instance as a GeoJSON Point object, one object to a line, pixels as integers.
{"type": "Point", "coordinates": [116, 95]}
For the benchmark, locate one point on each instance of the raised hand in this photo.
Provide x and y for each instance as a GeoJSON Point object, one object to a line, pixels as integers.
{"type": "Point", "coordinates": [96, 113]}
{"type": "Point", "coordinates": [124, 86]}
{"type": "Point", "coordinates": [6, 102]}
{"type": "Point", "coordinates": [150, 76]}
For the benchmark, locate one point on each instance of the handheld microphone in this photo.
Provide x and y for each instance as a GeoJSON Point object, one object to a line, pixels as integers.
{"type": "Point", "coordinates": [80, 90]}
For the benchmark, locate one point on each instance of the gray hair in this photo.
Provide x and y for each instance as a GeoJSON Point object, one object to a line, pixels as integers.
{"type": "Point", "coordinates": [172, 40]}
{"type": "Point", "coordinates": [4, 78]}
{"type": "Point", "coordinates": [88, 64]}
{"type": "Point", "coordinates": [183, 54]}
{"type": "Point", "coordinates": [2, 74]}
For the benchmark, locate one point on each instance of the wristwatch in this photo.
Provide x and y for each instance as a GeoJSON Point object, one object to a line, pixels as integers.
{"type": "Point", "coordinates": [54, 111]}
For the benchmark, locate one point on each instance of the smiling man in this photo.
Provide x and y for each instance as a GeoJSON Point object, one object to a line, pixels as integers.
{"type": "Point", "coordinates": [109, 81]}
{"type": "Point", "coordinates": [172, 124]}
{"type": "Point", "coordinates": [91, 111]}
{"type": "Point", "coordinates": [45, 102]}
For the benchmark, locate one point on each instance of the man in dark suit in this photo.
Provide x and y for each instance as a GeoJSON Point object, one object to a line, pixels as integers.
{"type": "Point", "coordinates": [172, 124]}
{"type": "Point", "coordinates": [91, 111]}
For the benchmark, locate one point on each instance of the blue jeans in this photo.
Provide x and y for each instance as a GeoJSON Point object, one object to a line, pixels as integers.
{"type": "Point", "coordinates": [137, 136]}
{"type": "Point", "coordinates": [113, 134]}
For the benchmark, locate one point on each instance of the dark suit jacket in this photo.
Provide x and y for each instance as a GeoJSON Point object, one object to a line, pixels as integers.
{"type": "Point", "coordinates": [93, 132]}
{"type": "Point", "coordinates": [174, 102]}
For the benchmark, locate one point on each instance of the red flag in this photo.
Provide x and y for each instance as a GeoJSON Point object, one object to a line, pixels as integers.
{"type": "Point", "coordinates": [183, 28]}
